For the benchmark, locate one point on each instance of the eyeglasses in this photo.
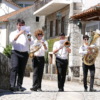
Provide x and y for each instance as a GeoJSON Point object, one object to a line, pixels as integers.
{"type": "Point", "coordinates": [86, 39]}
{"type": "Point", "coordinates": [39, 34]}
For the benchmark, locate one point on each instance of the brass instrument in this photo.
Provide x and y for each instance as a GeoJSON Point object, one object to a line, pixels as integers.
{"type": "Point", "coordinates": [35, 48]}
{"type": "Point", "coordinates": [67, 44]}
{"type": "Point", "coordinates": [89, 59]}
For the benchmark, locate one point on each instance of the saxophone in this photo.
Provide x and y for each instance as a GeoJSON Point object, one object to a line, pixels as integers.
{"type": "Point", "coordinates": [35, 48]}
{"type": "Point", "coordinates": [89, 59]}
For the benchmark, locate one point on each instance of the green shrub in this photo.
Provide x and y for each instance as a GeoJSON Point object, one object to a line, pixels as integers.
{"type": "Point", "coordinates": [7, 50]}
{"type": "Point", "coordinates": [51, 42]}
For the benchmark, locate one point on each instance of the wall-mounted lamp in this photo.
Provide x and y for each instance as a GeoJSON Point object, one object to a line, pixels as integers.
{"type": "Point", "coordinates": [59, 16]}
{"type": "Point", "coordinates": [79, 24]}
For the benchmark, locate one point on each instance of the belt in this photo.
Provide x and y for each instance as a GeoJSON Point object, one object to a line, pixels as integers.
{"type": "Point", "coordinates": [20, 51]}
{"type": "Point", "coordinates": [39, 56]}
{"type": "Point", "coordinates": [61, 59]}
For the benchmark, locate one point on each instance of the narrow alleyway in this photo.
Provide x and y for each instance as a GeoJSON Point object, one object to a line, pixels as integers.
{"type": "Point", "coordinates": [73, 91]}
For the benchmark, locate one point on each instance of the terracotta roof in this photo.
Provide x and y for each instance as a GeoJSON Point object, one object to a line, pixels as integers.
{"type": "Point", "coordinates": [5, 17]}
{"type": "Point", "coordinates": [13, 3]}
{"type": "Point", "coordinates": [92, 13]}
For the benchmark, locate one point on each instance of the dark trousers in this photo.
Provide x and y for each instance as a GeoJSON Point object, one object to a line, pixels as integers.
{"type": "Point", "coordinates": [61, 69]}
{"type": "Point", "coordinates": [18, 63]}
{"type": "Point", "coordinates": [38, 67]}
{"type": "Point", "coordinates": [85, 73]}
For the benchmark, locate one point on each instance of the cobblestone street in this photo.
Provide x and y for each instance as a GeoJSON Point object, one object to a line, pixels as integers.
{"type": "Point", "coordinates": [73, 91]}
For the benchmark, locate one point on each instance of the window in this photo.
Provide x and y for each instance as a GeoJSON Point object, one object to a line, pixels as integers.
{"type": "Point", "coordinates": [21, 5]}
{"type": "Point", "coordinates": [62, 24]}
{"type": "Point", "coordinates": [37, 19]}
{"type": "Point", "coordinates": [51, 28]}
{"type": "Point", "coordinates": [26, 5]}
{"type": "Point", "coordinates": [56, 27]}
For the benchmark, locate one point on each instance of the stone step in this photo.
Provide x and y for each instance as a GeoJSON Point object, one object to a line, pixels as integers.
{"type": "Point", "coordinates": [76, 79]}
{"type": "Point", "coordinates": [51, 77]}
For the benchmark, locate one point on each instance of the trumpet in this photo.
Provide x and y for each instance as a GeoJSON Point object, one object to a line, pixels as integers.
{"type": "Point", "coordinates": [65, 42]}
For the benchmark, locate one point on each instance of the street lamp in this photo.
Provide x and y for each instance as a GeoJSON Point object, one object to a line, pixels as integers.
{"type": "Point", "coordinates": [59, 16]}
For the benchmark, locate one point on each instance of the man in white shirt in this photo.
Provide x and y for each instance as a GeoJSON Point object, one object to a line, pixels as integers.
{"type": "Point", "coordinates": [61, 60]}
{"type": "Point", "coordinates": [19, 55]}
{"type": "Point", "coordinates": [84, 50]}
{"type": "Point", "coordinates": [38, 60]}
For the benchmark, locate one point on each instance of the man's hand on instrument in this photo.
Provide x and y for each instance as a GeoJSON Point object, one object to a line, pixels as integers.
{"type": "Point", "coordinates": [90, 52]}
{"type": "Point", "coordinates": [69, 50]}
{"type": "Point", "coordinates": [29, 39]}
{"type": "Point", "coordinates": [21, 32]}
{"type": "Point", "coordinates": [89, 47]}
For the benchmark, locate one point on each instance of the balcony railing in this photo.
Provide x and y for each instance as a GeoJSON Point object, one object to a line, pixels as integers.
{"type": "Point", "coordinates": [40, 3]}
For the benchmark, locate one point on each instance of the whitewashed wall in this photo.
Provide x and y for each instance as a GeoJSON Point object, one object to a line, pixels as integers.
{"type": "Point", "coordinates": [88, 3]}
{"type": "Point", "coordinates": [3, 36]}
{"type": "Point", "coordinates": [7, 8]}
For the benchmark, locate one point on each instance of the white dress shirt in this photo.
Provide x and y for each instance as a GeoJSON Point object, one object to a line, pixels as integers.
{"type": "Point", "coordinates": [62, 53]}
{"type": "Point", "coordinates": [41, 51]}
{"type": "Point", "coordinates": [83, 49]}
{"type": "Point", "coordinates": [22, 43]}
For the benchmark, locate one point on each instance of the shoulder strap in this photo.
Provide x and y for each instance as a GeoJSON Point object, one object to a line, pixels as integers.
{"type": "Point", "coordinates": [83, 49]}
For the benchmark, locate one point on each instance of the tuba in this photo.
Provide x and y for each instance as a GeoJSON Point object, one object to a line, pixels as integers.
{"type": "Point", "coordinates": [35, 47]}
{"type": "Point", "coordinates": [89, 59]}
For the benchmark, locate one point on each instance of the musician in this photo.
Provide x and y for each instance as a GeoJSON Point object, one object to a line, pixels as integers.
{"type": "Point", "coordinates": [19, 55]}
{"type": "Point", "coordinates": [83, 50]}
{"type": "Point", "coordinates": [38, 61]}
{"type": "Point", "coordinates": [61, 60]}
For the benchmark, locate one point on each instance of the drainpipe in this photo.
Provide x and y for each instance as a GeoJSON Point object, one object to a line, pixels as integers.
{"type": "Point", "coordinates": [46, 26]}
{"type": "Point", "coordinates": [7, 32]}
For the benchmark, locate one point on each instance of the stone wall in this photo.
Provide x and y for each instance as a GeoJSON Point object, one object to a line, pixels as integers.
{"type": "Point", "coordinates": [28, 67]}
{"type": "Point", "coordinates": [5, 67]}
{"type": "Point", "coordinates": [75, 39]}
{"type": "Point", "coordinates": [52, 17]}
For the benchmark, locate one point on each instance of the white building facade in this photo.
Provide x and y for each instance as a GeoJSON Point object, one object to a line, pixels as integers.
{"type": "Point", "coordinates": [5, 8]}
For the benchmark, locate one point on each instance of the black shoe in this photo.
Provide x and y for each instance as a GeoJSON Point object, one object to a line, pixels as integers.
{"type": "Point", "coordinates": [85, 90]}
{"type": "Point", "coordinates": [93, 90]}
{"type": "Point", "coordinates": [20, 89]}
{"type": "Point", "coordinates": [60, 90]}
{"type": "Point", "coordinates": [39, 89]}
{"type": "Point", "coordinates": [33, 89]}
{"type": "Point", "coordinates": [12, 88]}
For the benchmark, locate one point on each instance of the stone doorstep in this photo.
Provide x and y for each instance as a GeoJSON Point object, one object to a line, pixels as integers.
{"type": "Point", "coordinates": [53, 77]}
